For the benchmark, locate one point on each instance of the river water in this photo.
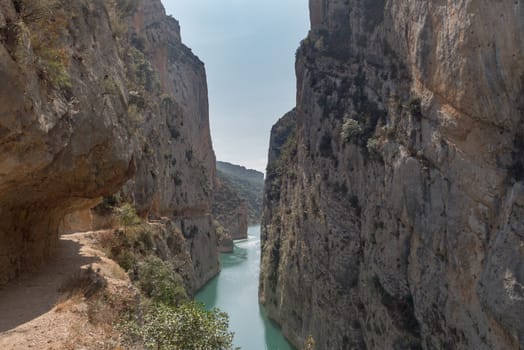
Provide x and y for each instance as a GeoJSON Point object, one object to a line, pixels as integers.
{"type": "Point", "coordinates": [235, 291]}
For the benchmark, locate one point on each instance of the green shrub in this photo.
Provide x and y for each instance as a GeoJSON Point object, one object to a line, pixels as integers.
{"type": "Point", "coordinates": [56, 71]}
{"type": "Point", "coordinates": [127, 260]}
{"type": "Point", "coordinates": [47, 24]}
{"type": "Point", "coordinates": [143, 71]}
{"type": "Point", "coordinates": [289, 149]}
{"type": "Point", "coordinates": [86, 281]}
{"type": "Point", "coordinates": [186, 327]}
{"type": "Point", "coordinates": [158, 281]}
{"type": "Point", "coordinates": [126, 7]}
{"type": "Point", "coordinates": [127, 216]}
{"type": "Point", "coordinates": [350, 129]}
{"type": "Point", "coordinates": [118, 11]}
{"type": "Point", "coordinates": [143, 240]}
{"type": "Point", "coordinates": [373, 145]}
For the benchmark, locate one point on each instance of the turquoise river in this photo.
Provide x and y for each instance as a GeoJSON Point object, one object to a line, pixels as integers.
{"type": "Point", "coordinates": [235, 291]}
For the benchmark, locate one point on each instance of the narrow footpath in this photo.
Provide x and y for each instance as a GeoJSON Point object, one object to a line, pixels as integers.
{"type": "Point", "coordinates": [32, 314]}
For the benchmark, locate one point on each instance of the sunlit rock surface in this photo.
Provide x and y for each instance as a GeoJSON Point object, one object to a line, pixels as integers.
{"type": "Point", "coordinates": [393, 214]}
{"type": "Point", "coordinates": [95, 94]}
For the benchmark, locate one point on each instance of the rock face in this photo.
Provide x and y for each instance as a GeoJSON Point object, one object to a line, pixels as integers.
{"type": "Point", "coordinates": [237, 202]}
{"type": "Point", "coordinates": [393, 209]}
{"type": "Point", "coordinates": [175, 159]}
{"type": "Point", "coordinates": [229, 209]}
{"type": "Point", "coordinates": [95, 93]}
{"type": "Point", "coordinates": [248, 183]}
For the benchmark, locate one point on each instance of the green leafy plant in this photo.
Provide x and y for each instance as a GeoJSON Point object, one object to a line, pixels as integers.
{"type": "Point", "coordinates": [158, 281]}
{"type": "Point", "coordinates": [350, 129]}
{"type": "Point", "coordinates": [54, 64]}
{"type": "Point", "coordinates": [47, 26]}
{"type": "Point", "coordinates": [127, 216]}
{"type": "Point", "coordinates": [373, 145]}
{"type": "Point", "coordinates": [126, 259]}
{"type": "Point", "coordinates": [143, 71]}
{"type": "Point", "coordinates": [34, 10]}
{"type": "Point", "coordinates": [186, 327]}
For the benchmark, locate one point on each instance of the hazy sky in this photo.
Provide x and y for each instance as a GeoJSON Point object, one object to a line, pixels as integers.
{"type": "Point", "coordinates": [248, 47]}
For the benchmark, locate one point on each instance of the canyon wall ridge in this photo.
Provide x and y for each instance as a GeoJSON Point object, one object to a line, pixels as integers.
{"type": "Point", "coordinates": [393, 208]}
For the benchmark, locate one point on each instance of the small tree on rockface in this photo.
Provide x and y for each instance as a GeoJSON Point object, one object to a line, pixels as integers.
{"type": "Point", "coordinates": [127, 216]}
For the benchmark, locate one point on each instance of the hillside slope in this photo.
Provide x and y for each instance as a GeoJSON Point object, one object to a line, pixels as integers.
{"type": "Point", "coordinates": [248, 183]}
{"type": "Point", "coordinates": [394, 201]}
{"type": "Point", "coordinates": [229, 210]}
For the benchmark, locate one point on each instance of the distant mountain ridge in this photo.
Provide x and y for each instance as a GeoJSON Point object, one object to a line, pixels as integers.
{"type": "Point", "coordinates": [249, 185]}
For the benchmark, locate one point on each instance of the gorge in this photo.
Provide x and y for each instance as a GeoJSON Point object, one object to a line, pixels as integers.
{"type": "Point", "coordinates": [235, 290]}
{"type": "Point", "coordinates": [393, 205]}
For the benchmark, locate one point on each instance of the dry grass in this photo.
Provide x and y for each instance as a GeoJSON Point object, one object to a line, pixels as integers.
{"type": "Point", "coordinates": [85, 336]}
{"type": "Point", "coordinates": [87, 282]}
{"type": "Point", "coordinates": [106, 240]}
{"type": "Point", "coordinates": [66, 303]}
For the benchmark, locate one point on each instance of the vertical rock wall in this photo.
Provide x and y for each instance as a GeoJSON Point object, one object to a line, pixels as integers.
{"type": "Point", "coordinates": [175, 158]}
{"type": "Point", "coordinates": [64, 142]}
{"type": "Point", "coordinates": [95, 93]}
{"type": "Point", "coordinates": [393, 211]}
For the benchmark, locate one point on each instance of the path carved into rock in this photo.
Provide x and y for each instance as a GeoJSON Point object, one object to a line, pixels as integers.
{"type": "Point", "coordinates": [26, 304]}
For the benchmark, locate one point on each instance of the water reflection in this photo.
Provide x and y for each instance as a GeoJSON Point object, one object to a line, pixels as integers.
{"type": "Point", "coordinates": [272, 333]}
{"type": "Point", "coordinates": [209, 298]}
{"type": "Point", "coordinates": [239, 256]}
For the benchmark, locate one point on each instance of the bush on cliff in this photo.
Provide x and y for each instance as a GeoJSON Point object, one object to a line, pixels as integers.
{"type": "Point", "coordinates": [158, 281]}
{"type": "Point", "coordinates": [186, 327]}
{"type": "Point", "coordinates": [166, 318]}
{"type": "Point", "coordinates": [127, 216]}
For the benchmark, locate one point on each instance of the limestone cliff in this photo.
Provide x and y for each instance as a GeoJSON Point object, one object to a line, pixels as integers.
{"type": "Point", "coordinates": [169, 105]}
{"type": "Point", "coordinates": [394, 211]}
{"type": "Point", "coordinates": [95, 93]}
{"type": "Point", "coordinates": [248, 183]}
{"type": "Point", "coordinates": [229, 209]}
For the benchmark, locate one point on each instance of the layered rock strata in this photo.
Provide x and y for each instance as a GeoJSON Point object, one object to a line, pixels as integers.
{"type": "Point", "coordinates": [393, 209]}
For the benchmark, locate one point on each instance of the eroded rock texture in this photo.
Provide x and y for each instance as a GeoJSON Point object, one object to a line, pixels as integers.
{"type": "Point", "coordinates": [393, 211]}
{"type": "Point", "coordinates": [95, 93]}
{"type": "Point", "coordinates": [175, 159]}
{"type": "Point", "coordinates": [229, 209]}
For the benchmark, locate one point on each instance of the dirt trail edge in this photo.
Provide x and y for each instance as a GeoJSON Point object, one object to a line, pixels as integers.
{"type": "Point", "coordinates": [30, 312]}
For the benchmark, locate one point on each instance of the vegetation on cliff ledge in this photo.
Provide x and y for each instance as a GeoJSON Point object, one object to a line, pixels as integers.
{"type": "Point", "coordinates": [165, 318]}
